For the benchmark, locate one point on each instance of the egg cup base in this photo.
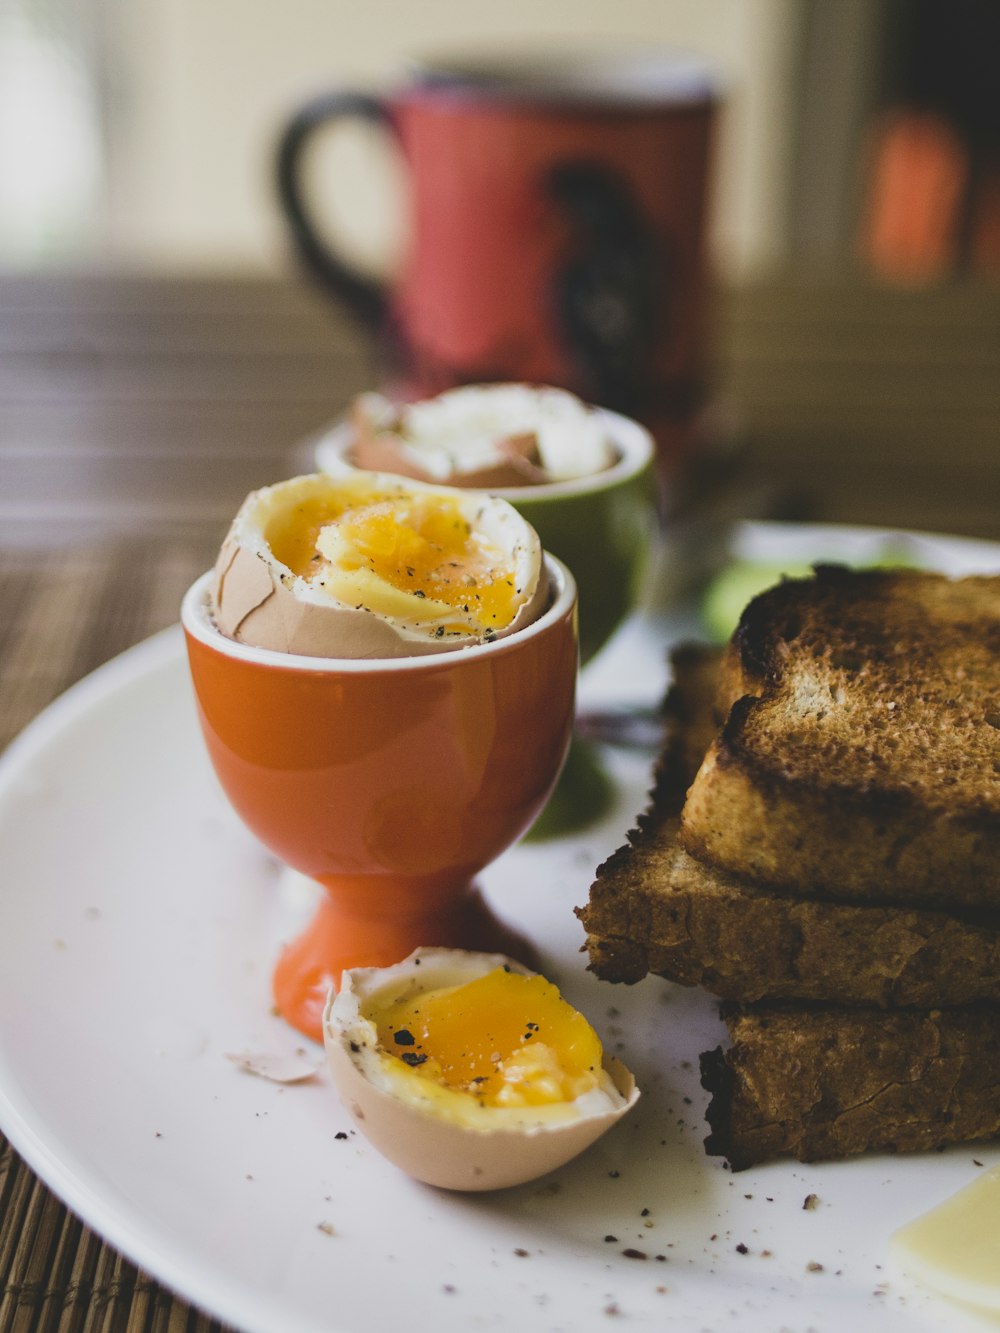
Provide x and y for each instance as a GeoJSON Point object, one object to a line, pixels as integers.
{"type": "Point", "coordinates": [338, 939]}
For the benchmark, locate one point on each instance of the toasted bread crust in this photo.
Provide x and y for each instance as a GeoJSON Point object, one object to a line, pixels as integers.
{"type": "Point", "coordinates": [655, 908]}
{"type": "Point", "coordinates": [833, 864]}
{"type": "Point", "coordinates": [692, 717]}
{"type": "Point", "coordinates": [818, 1084]}
{"type": "Point", "coordinates": [861, 756]}
{"type": "Point", "coordinates": [823, 841]}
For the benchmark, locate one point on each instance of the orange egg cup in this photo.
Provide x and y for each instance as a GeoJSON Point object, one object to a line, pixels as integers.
{"type": "Point", "coordinates": [390, 782]}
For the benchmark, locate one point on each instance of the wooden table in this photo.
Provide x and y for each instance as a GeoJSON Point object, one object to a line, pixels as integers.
{"type": "Point", "coordinates": [135, 414]}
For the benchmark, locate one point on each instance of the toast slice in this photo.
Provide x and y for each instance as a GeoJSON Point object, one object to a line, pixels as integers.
{"type": "Point", "coordinates": [827, 1083]}
{"type": "Point", "coordinates": [654, 908]}
{"type": "Point", "coordinates": [860, 759]}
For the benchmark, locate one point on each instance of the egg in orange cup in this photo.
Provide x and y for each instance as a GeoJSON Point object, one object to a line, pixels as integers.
{"type": "Point", "coordinates": [390, 780]}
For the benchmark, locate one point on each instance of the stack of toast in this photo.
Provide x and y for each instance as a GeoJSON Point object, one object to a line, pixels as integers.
{"type": "Point", "coordinates": [822, 851]}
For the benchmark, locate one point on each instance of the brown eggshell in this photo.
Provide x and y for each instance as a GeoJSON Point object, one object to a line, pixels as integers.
{"type": "Point", "coordinates": [256, 600]}
{"type": "Point", "coordinates": [450, 1156]}
{"type": "Point", "coordinates": [377, 447]}
{"type": "Point", "coordinates": [384, 453]}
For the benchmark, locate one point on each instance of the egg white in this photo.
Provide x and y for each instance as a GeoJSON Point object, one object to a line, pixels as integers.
{"type": "Point", "coordinates": [457, 432]}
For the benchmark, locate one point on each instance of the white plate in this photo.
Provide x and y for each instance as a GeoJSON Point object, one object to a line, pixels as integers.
{"type": "Point", "coordinates": [138, 923]}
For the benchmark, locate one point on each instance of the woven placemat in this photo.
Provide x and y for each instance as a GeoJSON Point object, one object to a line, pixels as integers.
{"type": "Point", "coordinates": [59, 1276]}
{"type": "Point", "coordinates": [63, 613]}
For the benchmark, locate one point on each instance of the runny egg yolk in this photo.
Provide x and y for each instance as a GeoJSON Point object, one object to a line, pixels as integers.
{"type": "Point", "coordinates": [292, 533]}
{"type": "Point", "coordinates": [505, 1039]}
{"type": "Point", "coordinates": [409, 556]}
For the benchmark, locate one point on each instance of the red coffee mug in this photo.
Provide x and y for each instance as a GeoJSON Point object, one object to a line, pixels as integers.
{"type": "Point", "coordinates": [558, 224]}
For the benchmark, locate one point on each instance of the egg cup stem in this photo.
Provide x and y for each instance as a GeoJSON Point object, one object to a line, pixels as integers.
{"type": "Point", "coordinates": [340, 937]}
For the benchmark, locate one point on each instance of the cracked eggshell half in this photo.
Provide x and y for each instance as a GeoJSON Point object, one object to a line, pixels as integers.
{"type": "Point", "coordinates": [483, 436]}
{"type": "Point", "coordinates": [432, 1137]}
{"type": "Point", "coordinates": [286, 578]}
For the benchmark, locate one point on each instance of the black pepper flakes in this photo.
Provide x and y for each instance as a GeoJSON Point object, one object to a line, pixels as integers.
{"type": "Point", "coordinates": [810, 1203]}
{"type": "Point", "coordinates": [403, 1037]}
{"type": "Point", "coordinates": [413, 1058]}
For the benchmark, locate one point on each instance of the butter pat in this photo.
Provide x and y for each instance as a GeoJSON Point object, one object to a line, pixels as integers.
{"type": "Point", "coordinates": [955, 1248]}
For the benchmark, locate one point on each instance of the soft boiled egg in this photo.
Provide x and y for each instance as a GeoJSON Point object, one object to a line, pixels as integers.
{"type": "Point", "coordinates": [489, 436]}
{"type": "Point", "coordinates": [469, 1071]}
{"type": "Point", "coordinates": [374, 566]}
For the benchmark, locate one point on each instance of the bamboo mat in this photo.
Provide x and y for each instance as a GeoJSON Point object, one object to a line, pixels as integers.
{"type": "Point", "coordinates": [59, 619]}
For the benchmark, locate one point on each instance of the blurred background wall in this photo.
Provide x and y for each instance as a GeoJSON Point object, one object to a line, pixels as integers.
{"type": "Point", "coordinates": [141, 132]}
{"type": "Point", "coordinates": [855, 230]}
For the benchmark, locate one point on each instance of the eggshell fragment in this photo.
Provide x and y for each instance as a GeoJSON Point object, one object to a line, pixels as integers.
{"type": "Point", "coordinates": [517, 464]}
{"type": "Point", "coordinates": [255, 599]}
{"type": "Point", "coordinates": [423, 1144]}
{"type": "Point", "coordinates": [276, 1067]}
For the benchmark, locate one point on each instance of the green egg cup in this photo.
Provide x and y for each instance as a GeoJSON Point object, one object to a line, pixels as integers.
{"type": "Point", "coordinates": [601, 526]}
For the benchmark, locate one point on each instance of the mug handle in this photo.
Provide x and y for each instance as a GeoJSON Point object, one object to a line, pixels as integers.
{"type": "Point", "coordinates": [367, 299]}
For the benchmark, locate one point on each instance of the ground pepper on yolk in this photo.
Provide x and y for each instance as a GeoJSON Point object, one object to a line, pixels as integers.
{"type": "Point", "coordinates": [504, 1038]}
{"type": "Point", "coordinates": [430, 550]}
{"type": "Point", "coordinates": [420, 547]}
